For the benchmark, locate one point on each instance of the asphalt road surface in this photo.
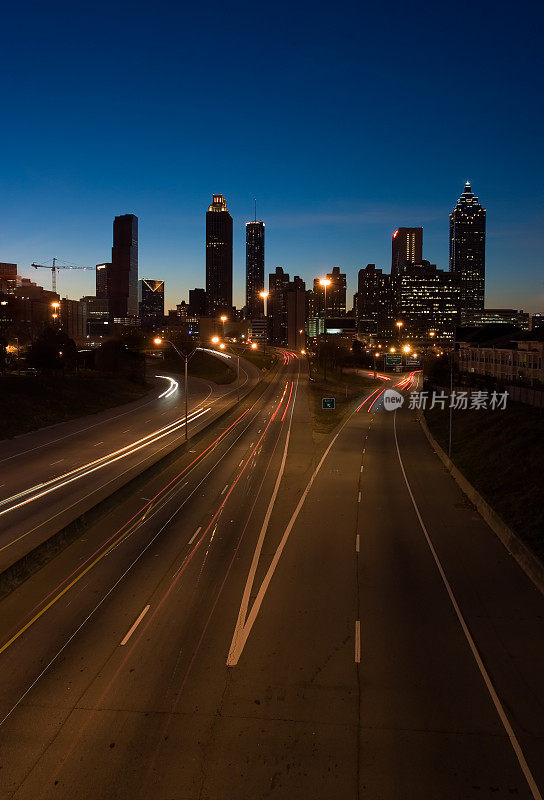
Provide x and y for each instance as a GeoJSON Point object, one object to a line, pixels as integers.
{"type": "Point", "coordinates": [49, 477]}
{"type": "Point", "coordinates": [282, 615]}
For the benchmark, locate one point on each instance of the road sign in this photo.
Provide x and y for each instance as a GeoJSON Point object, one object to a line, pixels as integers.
{"type": "Point", "coordinates": [393, 359]}
{"type": "Point", "coordinates": [327, 402]}
{"type": "Point", "coordinates": [412, 361]}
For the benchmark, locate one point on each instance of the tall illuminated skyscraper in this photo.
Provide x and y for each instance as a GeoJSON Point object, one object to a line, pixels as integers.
{"type": "Point", "coordinates": [254, 268]}
{"type": "Point", "coordinates": [467, 251]}
{"type": "Point", "coordinates": [218, 257]}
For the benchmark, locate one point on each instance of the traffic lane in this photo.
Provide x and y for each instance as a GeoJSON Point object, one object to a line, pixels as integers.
{"type": "Point", "coordinates": [192, 472]}
{"type": "Point", "coordinates": [34, 521]}
{"type": "Point", "coordinates": [503, 608]}
{"type": "Point", "coordinates": [45, 459]}
{"type": "Point", "coordinates": [428, 725]}
{"type": "Point", "coordinates": [290, 703]}
{"type": "Point", "coordinates": [195, 462]}
{"type": "Point", "coordinates": [51, 682]}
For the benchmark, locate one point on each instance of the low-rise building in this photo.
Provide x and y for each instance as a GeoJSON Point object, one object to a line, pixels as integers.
{"type": "Point", "coordinates": [504, 353]}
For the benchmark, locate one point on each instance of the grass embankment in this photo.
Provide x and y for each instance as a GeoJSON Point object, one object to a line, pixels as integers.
{"type": "Point", "coordinates": [499, 453]}
{"type": "Point", "coordinates": [213, 368]}
{"type": "Point", "coordinates": [336, 385]}
{"type": "Point", "coordinates": [31, 402]}
{"type": "Point", "coordinates": [201, 365]}
{"type": "Point", "coordinates": [258, 358]}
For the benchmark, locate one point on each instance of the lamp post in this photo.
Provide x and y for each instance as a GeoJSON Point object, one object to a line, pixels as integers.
{"type": "Point", "coordinates": [264, 294]}
{"type": "Point", "coordinates": [325, 282]}
{"type": "Point", "coordinates": [222, 346]}
{"type": "Point", "coordinates": [223, 319]}
{"type": "Point", "coordinates": [185, 358]}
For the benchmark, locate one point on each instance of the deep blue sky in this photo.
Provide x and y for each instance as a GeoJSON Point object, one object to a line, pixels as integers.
{"type": "Point", "coordinates": [344, 120]}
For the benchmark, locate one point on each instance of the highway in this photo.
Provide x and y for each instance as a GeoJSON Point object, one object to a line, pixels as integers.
{"type": "Point", "coordinates": [281, 614]}
{"type": "Point", "coordinates": [51, 476]}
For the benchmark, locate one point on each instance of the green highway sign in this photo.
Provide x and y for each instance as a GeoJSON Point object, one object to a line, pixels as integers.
{"type": "Point", "coordinates": [327, 402]}
{"type": "Point", "coordinates": [393, 359]}
{"type": "Point", "coordinates": [412, 360]}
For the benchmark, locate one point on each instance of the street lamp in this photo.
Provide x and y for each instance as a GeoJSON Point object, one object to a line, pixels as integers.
{"type": "Point", "coordinates": [325, 282]}
{"type": "Point", "coordinates": [264, 294]}
{"type": "Point", "coordinates": [157, 340]}
{"type": "Point", "coordinates": [406, 348]}
{"type": "Point", "coordinates": [253, 345]}
{"type": "Point", "coordinates": [222, 346]}
{"type": "Point", "coordinates": [223, 319]}
{"type": "Point", "coordinates": [376, 354]}
{"type": "Point", "coordinates": [55, 306]}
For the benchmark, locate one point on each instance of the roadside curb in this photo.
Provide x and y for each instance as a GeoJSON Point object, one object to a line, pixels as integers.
{"type": "Point", "coordinates": [44, 552]}
{"type": "Point", "coordinates": [529, 563]}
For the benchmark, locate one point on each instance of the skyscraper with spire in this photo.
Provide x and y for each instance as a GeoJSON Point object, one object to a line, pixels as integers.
{"type": "Point", "coordinates": [467, 251]}
{"type": "Point", "coordinates": [218, 257]}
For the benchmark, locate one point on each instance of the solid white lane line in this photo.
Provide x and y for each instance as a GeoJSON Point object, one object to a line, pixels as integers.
{"type": "Point", "coordinates": [242, 627]}
{"type": "Point", "coordinates": [358, 642]}
{"type": "Point", "coordinates": [131, 631]}
{"type": "Point", "coordinates": [357, 543]}
{"type": "Point", "coordinates": [471, 643]}
{"type": "Point", "coordinates": [195, 534]}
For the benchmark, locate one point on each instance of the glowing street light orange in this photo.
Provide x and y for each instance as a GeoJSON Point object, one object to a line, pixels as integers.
{"type": "Point", "coordinates": [157, 340]}
{"type": "Point", "coordinates": [253, 345]}
{"type": "Point", "coordinates": [215, 339]}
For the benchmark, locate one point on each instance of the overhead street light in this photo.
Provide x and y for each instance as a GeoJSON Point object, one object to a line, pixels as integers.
{"type": "Point", "coordinates": [158, 341]}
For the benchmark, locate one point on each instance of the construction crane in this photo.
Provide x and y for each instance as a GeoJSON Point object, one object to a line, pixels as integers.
{"type": "Point", "coordinates": [54, 269]}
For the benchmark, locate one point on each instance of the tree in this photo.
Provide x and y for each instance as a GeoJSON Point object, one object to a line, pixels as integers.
{"type": "Point", "coordinates": [53, 349]}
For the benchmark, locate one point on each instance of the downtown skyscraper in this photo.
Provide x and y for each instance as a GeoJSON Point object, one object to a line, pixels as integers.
{"type": "Point", "coordinates": [467, 251]}
{"type": "Point", "coordinates": [218, 257]}
{"type": "Point", "coordinates": [254, 268]}
{"type": "Point", "coordinates": [406, 248]}
{"type": "Point", "coordinates": [122, 274]}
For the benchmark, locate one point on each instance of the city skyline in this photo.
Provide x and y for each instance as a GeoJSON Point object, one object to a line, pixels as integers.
{"type": "Point", "coordinates": [499, 293]}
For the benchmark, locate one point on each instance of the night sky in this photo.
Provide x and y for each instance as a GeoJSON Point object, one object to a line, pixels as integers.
{"type": "Point", "coordinates": [344, 121]}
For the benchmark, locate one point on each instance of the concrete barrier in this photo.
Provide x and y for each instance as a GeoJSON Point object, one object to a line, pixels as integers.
{"type": "Point", "coordinates": [530, 564]}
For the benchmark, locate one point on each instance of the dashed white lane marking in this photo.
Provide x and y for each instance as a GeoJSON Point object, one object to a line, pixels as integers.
{"type": "Point", "coordinates": [225, 489]}
{"type": "Point", "coordinates": [127, 430]}
{"type": "Point", "coordinates": [361, 467]}
{"type": "Point", "coordinates": [195, 534]}
{"type": "Point", "coordinates": [241, 462]}
{"type": "Point", "coordinates": [358, 641]}
{"type": "Point", "coordinates": [359, 500]}
{"type": "Point", "coordinates": [357, 543]}
{"type": "Point", "coordinates": [535, 791]}
{"type": "Point", "coordinates": [96, 445]}
{"type": "Point", "coordinates": [131, 631]}
{"type": "Point", "coordinates": [52, 464]}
